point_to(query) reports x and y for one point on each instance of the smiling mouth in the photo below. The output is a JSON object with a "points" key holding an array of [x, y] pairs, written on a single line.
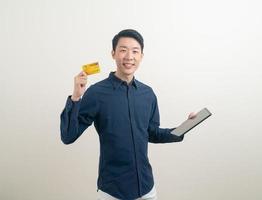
{"points": [[128, 65]]}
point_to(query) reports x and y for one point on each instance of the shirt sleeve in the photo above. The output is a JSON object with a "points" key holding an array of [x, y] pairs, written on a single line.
{"points": [[78, 116], [157, 134]]}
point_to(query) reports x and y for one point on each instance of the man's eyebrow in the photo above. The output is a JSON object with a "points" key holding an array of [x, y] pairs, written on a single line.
{"points": [[127, 47]]}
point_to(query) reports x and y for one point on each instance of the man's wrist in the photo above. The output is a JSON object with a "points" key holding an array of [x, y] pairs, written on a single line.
{"points": [[73, 98]]}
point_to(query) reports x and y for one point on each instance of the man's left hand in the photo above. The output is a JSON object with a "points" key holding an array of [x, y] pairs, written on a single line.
{"points": [[192, 115]]}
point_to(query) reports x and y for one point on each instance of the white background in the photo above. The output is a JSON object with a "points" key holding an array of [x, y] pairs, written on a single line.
{"points": [[197, 54]]}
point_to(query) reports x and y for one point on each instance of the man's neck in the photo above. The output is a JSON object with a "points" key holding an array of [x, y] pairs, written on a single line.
{"points": [[123, 77]]}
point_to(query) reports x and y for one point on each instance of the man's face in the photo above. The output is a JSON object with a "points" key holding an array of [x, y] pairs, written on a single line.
{"points": [[127, 55]]}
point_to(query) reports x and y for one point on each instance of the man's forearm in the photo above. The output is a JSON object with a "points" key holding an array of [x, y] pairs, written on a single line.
{"points": [[161, 135], [69, 125]]}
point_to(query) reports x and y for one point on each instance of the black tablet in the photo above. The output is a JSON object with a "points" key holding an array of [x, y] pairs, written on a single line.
{"points": [[191, 123]]}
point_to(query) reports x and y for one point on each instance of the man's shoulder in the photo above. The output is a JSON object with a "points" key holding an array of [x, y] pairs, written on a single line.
{"points": [[143, 85], [105, 83], [145, 89], [100, 87]]}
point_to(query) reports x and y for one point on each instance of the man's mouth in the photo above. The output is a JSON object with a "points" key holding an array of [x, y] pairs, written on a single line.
{"points": [[128, 65]]}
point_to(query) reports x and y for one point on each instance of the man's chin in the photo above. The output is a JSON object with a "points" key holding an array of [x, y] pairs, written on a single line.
{"points": [[128, 72]]}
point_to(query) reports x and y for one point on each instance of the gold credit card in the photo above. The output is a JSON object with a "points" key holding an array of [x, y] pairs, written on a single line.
{"points": [[91, 68]]}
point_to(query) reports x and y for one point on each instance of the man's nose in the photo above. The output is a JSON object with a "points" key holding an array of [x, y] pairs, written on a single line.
{"points": [[129, 55]]}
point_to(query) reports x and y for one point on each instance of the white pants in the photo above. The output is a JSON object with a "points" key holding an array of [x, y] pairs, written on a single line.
{"points": [[149, 196]]}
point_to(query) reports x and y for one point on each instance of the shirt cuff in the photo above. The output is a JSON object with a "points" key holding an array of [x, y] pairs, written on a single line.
{"points": [[177, 138], [72, 105]]}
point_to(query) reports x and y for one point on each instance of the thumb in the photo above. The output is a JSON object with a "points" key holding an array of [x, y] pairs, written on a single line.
{"points": [[192, 115]]}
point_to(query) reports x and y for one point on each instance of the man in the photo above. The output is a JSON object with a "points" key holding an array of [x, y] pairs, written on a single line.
{"points": [[125, 115]]}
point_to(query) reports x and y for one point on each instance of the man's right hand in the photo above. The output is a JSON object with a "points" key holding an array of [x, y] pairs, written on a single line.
{"points": [[80, 82]]}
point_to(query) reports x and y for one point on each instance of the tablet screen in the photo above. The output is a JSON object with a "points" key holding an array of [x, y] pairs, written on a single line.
{"points": [[191, 123]]}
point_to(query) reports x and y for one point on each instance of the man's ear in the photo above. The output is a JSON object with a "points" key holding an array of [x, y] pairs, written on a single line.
{"points": [[113, 53]]}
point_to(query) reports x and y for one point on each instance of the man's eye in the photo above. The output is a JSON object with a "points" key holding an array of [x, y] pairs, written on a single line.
{"points": [[135, 52], [122, 50]]}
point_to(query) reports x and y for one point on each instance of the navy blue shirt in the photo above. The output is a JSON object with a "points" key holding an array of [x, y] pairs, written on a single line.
{"points": [[126, 118]]}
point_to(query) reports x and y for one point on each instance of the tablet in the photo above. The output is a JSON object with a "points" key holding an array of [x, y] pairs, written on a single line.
{"points": [[191, 123]]}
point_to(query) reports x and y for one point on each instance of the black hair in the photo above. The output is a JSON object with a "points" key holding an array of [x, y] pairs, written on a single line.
{"points": [[128, 33]]}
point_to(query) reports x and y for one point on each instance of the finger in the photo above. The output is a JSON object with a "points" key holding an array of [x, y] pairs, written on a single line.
{"points": [[82, 82], [83, 77], [192, 115], [81, 74]]}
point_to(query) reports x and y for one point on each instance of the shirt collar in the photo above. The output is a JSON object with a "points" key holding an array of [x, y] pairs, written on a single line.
{"points": [[117, 81]]}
